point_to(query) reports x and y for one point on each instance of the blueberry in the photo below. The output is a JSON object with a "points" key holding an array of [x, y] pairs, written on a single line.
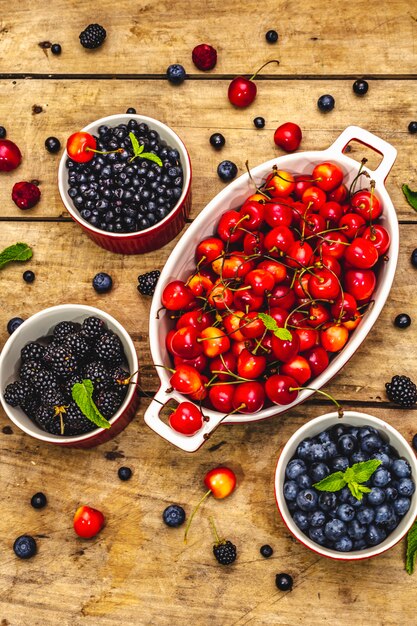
{"points": [[271, 36], [335, 529], [412, 128], [316, 453], [401, 468], [375, 535], [292, 506], [381, 477], [391, 494], [317, 535], [330, 449], [304, 481], [360, 87], [339, 464], [301, 520], [345, 512], [376, 496], [266, 551], [370, 443], [295, 468], [24, 547], [317, 519], [307, 499], [303, 449], [366, 430], [38, 501], [347, 444], [28, 276], [13, 324], [383, 457], [325, 103], [327, 500], [3, 132], [402, 320], [291, 490], [259, 122], [388, 449], [217, 141], [124, 473], [176, 74], [53, 145], [360, 544], [401, 506], [337, 431], [392, 523], [406, 487], [131, 111], [174, 515], [318, 471], [344, 544], [284, 582], [324, 437], [56, 49], [356, 530], [344, 494], [102, 282], [358, 457], [353, 430], [383, 514], [227, 170], [365, 516]]}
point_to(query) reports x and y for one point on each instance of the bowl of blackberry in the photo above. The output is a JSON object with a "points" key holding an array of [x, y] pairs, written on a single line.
{"points": [[68, 376], [345, 486], [126, 180]]}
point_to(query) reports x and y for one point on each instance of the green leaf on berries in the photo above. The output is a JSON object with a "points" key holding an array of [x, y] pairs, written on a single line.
{"points": [[333, 482], [270, 324], [352, 477], [138, 151], [364, 470], [137, 148], [82, 394], [410, 560], [16, 252], [410, 196]]}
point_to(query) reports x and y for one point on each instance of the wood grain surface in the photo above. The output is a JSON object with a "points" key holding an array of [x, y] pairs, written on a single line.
{"points": [[137, 571]]}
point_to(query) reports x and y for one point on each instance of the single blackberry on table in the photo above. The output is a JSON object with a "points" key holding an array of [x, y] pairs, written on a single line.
{"points": [[98, 374], [17, 393], [93, 36], [147, 282], [28, 370], [225, 552], [109, 348], [75, 422], [108, 403], [402, 391], [92, 327], [62, 329], [78, 345], [32, 351], [61, 361]]}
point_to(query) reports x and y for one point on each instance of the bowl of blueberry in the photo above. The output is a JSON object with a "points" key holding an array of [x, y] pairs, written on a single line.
{"points": [[345, 486], [68, 376], [126, 180]]}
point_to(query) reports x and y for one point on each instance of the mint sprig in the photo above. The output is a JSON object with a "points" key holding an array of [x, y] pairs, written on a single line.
{"points": [[352, 477], [270, 324], [410, 559], [410, 196], [16, 252], [138, 151], [82, 394]]}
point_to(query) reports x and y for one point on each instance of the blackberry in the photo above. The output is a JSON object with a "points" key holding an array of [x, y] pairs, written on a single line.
{"points": [[75, 422], [93, 36], [43, 380], [225, 552], [98, 374], [108, 402], [68, 384], [30, 406], [24, 547], [47, 418], [29, 369], [61, 361], [32, 351], [51, 397], [17, 393], [120, 378], [402, 391], [78, 345], [109, 348], [93, 327], [62, 329], [147, 282]]}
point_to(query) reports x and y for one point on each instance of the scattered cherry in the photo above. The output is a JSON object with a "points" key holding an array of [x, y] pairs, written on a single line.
{"points": [[88, 522], [25, 195], [187, 419], [288, 136], [242, 91], [10, 155], [204, 57]]}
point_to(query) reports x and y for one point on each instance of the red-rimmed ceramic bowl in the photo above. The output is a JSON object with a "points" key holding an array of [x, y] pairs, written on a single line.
{"points": [[151, 238], [41, 325], [316, 426]]}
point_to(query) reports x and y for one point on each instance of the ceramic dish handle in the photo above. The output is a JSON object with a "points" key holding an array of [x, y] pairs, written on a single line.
{"points": [[385, 149], [186, 443]]}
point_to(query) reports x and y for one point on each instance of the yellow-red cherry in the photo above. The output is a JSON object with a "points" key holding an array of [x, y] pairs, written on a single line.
{"points": [[81, 147], [221, 481]]}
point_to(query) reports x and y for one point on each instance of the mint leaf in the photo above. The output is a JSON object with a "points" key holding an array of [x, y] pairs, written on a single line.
{"points": [[137, 148], [82, 394], [16, 252], [151, 157], [333, 482], [410, 559], [411, 196], [270, 324], [364, 470], [356, 490]]}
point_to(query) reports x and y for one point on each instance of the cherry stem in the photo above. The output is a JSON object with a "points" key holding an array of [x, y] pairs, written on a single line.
{"points": [[216, 536], [253, 182], [187, 528], [262, 67], [323, 393], [87, 149]]}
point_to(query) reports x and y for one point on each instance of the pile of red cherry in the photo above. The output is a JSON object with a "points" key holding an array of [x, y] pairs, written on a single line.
{"points": [[276, 292]]}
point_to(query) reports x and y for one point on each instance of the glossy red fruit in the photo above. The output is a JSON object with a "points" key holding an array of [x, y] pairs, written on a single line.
{"points": [[81, 147], [251, 325], [208, 250], [285, 349], [278, 240], [241, 92], [253, 243], [187, 419], [350, 223], [250, 365], [339, 194], [281, 389], [333, 244], [177, 296], [331, 212], [279, 184], [328, 176], [318, 359], [228, 226], [314, 197], [214, 341], [318, 315], [313, 223], [330, 262], [323, 284], [199, 363], [186, 379], [204, 57], [249, 397], [25, 195], [361, 253], [298, 368], [221, 481], [299, 254], [88, 522], [220, 297], [282, 296], [366, 204], [184, 342], [301, 184], [344, 308], [288, 136], [278, 214], [197, 318], [252, 215], [10, 155], [278, 270], [221, 397], [260, 280], [308, 337], [231, 325], [334, 337], [378, 236], [245, 299], [224, 363], [360, 283]]}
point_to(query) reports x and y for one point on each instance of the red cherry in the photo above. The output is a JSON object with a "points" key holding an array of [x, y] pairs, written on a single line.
{"points": [[360, 283], [221, 481], [260, 280], [314, 197], [314, 223], [301, 184], [252, 215], [177, 296], [318, 315], [280, 389], [252, 326], [333, 244], [288, 136], [231, 325], [199, 284], [220, 297], [278, 240], [197, 318], [285, 349], [278, 270], [344, 308], [253, 243], [228, 226], [186, 379], [209, 249], [282, 296], [308, 338], [318, 359], [328, 176], [242, 91], [331, 212], [214, 341], [249, 365], [298, 368], [299, 254], [187, 419], [88, 522], [184, 342], [323, 284], [350, 223], [224, 363], [277, 214], [168, 341], [339, 194], [378, 236], [221, 397], [249, 397], [361, 253], [334, 337], [301, 285], [81, 147], [366, 204], [279, 184], [245, 299], [330, 262], [10, 155], [199, 363]]}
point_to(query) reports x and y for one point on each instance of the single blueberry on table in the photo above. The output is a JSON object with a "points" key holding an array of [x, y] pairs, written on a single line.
{"points": [[217, 141], [13, 324], [401, 505], [345, 512], [376, 496], [344, 544], [266, 551], [307, 499], [318, 471], [326, 103], [335, 529], [291, 490], [24, 547], [301, 519], [102, 282], [227, 170], [295, 468], [176, 74], [174, 515], [401, 468]]}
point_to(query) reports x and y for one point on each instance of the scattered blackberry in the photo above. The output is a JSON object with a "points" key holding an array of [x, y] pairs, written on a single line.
{"points": [[147, 282], [174, 515], [124, 473], [61, 361], [75, 422], [109, 348], [402, 391], [93, 36], [38, 500], [93, 327], [28, 370], [108, 403], [13, 324], [32, 351], [284, 582], [62, 329], [17, 393], [78, 345], [24, 547], [98, 374], [225, 552]]}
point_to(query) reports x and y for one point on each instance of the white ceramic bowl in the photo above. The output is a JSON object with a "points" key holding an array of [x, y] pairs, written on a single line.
{"points": [[314, 427], [42, 324], [151, 238], [181, 263]]}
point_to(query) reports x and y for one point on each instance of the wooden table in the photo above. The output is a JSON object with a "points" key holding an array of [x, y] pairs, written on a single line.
{"points": [[137, 571]]}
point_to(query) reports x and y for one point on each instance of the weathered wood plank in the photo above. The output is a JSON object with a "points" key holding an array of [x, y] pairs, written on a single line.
{"points": [[145, 37], [195, 112]]}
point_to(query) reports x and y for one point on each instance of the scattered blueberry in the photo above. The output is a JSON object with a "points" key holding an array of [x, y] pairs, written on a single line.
{"points": [[24, 547], [217, 141], [56, 49], [2, 132], [131, 111], [360, 87], [124, 473], [412, 128], [38, 501], [325, 103], [259, 122], [176, 74], [174, 515], [266, 551], [271, 36], [13, 324], [53, 145], [402, 320], [227, 170], [414, 442], [413, 257], [28, 276], [284, 582], [102, 282]]}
